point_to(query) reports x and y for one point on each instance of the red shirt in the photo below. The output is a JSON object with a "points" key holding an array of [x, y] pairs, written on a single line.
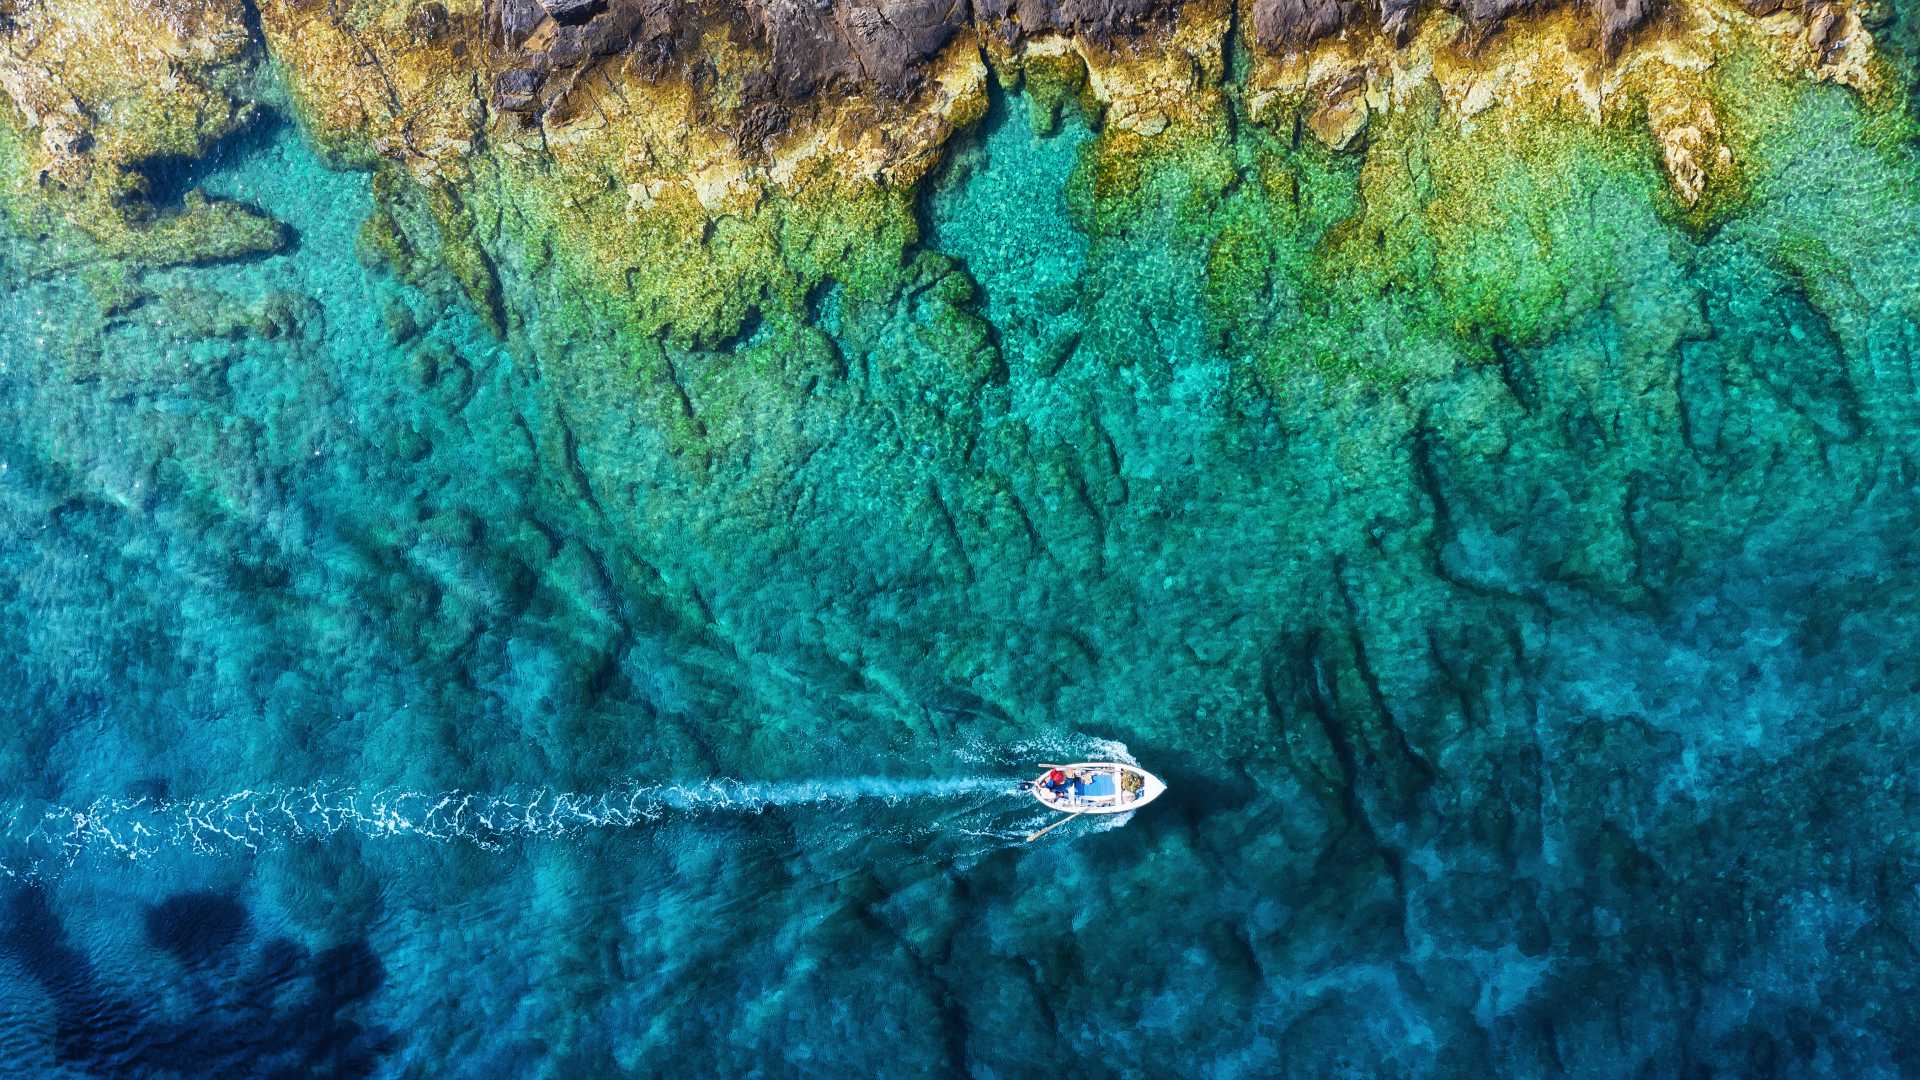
{"points": [[1056, 776]]}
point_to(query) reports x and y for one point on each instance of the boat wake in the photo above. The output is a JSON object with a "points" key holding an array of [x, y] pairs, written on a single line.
{"points": [[35, 835], [39, 836]]}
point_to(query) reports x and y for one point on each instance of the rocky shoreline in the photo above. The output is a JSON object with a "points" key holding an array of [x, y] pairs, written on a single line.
{"points": [[1477, 471], [733, 100]]}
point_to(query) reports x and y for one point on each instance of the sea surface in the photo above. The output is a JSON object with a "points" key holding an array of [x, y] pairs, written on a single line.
{"points": [[378, 702]]}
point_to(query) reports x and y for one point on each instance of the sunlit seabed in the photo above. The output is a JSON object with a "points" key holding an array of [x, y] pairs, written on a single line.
{"points": [[1574, 739]]}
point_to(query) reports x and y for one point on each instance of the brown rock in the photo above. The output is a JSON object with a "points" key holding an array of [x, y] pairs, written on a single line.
{"points": [[515, 20], [517, 91], [572, 12], [428, 21], [1823, 29], [1342, 116], [1617, 19], [1300, 22]]}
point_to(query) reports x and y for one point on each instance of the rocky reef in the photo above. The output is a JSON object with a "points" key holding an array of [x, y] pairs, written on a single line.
{"points": [[103, 98], [1466, 448], [669, 117]]}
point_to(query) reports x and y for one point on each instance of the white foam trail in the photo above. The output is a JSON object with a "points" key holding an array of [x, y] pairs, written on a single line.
{"points": [[253, 820]]}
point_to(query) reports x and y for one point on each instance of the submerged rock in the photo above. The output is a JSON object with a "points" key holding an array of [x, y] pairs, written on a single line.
{"points": [[99, 92], [726, 104], [1511, 575]]}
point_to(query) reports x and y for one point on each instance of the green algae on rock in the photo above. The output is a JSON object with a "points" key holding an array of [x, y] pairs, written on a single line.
{"points": [[655, 165], [670, 195], [101, 96], [1497, 500]]}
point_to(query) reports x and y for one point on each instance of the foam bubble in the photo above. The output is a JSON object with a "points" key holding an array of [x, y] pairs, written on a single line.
{"points": [[249, 821]]}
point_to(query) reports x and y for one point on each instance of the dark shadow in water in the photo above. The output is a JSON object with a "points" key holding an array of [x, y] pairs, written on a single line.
{"points": [[196, 928], [170, 177], [154, 788], [278, 1011]]}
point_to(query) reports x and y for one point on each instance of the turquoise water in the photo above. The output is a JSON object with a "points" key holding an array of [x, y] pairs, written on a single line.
{"points": [[392, 699]]}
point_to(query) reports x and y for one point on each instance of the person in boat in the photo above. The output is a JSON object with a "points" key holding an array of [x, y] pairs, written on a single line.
{"points": [[1060, 783], [1055, 782]]}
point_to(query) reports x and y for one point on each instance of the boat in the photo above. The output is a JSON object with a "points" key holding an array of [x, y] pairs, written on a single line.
{"points": [[1108, 787]]}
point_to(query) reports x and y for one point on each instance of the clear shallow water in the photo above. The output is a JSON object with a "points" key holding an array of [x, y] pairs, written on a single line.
{"points": [[1544, 716]]}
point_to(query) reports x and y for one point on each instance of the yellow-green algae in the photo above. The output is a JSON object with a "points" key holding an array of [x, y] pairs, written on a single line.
{"points": [[104, 226], [100, 97], [1437, 239], [1442, 234], [1550, 695]]}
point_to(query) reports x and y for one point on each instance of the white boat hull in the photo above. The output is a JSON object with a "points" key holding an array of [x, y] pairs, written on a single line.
{"points": [[1107, 787]]}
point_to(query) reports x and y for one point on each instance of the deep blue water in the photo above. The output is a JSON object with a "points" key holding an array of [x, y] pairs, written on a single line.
{"points": [[390, 701]]}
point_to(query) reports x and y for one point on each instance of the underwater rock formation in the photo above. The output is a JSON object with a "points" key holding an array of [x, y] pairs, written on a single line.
{"points": [[757, 98], [102, 95], [1467, 449]]}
